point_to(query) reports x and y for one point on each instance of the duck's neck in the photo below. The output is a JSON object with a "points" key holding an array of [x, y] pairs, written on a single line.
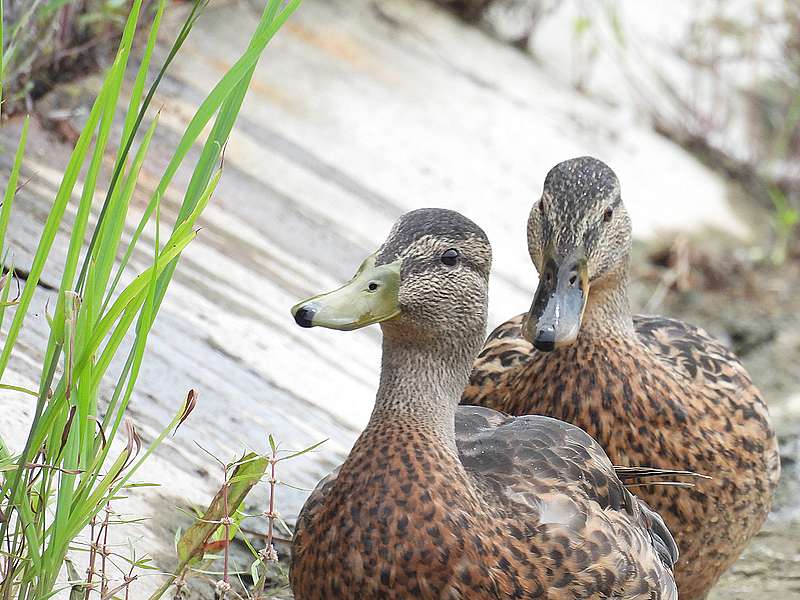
{"points": [[608, 310], [421, 384]]}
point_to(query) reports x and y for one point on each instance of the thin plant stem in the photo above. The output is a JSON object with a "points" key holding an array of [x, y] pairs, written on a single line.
{"points": [[226, 523], [104, 553], [267, 555], [92, 557]]}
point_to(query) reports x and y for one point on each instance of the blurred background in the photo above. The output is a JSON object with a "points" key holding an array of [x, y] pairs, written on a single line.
{"points": [[364, 109]]}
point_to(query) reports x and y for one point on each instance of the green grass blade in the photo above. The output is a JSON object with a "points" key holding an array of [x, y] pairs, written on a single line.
{"points": [[106, 251], [103, 490], [2, 56], [226, 117], [214, 100], [16, 388], [71, 450], [134, 105]]}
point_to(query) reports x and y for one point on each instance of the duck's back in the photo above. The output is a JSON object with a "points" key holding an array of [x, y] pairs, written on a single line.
{"points": [[556, 487], [713, 373]]}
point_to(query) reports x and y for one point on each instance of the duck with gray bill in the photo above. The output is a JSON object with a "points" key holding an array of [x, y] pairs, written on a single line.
{"points": [[651, 390]]}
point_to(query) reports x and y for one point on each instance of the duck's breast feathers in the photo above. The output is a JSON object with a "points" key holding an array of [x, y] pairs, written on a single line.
{"points": [[493, 372], [686, 350], [313, 504]]}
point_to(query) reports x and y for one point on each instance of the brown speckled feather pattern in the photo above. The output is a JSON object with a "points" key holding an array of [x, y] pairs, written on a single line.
{"points": [[666, 396], [530, 508]]}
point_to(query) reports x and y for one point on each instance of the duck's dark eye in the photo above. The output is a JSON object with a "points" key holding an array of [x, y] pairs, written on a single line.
{"points": [[608, 214], [450, 257]]}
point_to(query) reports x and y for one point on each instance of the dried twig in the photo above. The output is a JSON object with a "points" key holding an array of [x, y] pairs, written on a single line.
{"points": [[268, 554]]}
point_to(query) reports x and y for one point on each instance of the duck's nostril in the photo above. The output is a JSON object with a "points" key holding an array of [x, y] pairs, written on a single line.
{"points": [[304, 316], [545, 339]]}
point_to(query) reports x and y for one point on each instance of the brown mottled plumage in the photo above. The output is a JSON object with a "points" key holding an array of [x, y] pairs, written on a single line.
{"points": [[437, 501], [651, 390]]}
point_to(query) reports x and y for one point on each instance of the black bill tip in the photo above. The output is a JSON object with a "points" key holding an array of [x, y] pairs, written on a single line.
{"points": [[304, 316], [545, 339]]}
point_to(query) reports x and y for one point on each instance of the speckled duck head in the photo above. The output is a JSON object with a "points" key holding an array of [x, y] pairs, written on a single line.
{"points": [[428, 283], [579, 237]]}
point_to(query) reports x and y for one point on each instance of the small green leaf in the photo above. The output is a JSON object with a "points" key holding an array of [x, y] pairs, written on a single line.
{"points": [[78, 589], [301, 452], [192, 544], [16, 388], [254, 570]]}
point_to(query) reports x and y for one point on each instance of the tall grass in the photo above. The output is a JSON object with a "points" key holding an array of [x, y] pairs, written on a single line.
{"points": [[69, 469]]}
